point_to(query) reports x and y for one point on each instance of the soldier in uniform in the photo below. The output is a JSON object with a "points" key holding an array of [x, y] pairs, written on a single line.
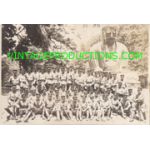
{"points": [[68, 110], [89, 81], [23, 107], [117, 106], [58, 76], [129, 108], [38, 106], [89, 112], [68, 78], [49, 105], [58, 109], [13, 103], [78, 109], [106, 104], [63, 78], [14, 80], [84, 106], [22, 81], [140, 105], [30, 77]]}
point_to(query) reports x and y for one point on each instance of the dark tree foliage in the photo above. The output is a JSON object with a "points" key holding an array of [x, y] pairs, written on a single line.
{"points": [[39, 36], [34, 33], [8, 32], [23, 47], [42, 36]]}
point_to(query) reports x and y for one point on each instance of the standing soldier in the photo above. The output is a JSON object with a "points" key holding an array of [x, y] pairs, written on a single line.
{"points": [[96, 82], [89, 113], [140, 105], [122, 80], [84, 107], [14, 80], [78, 109], [22, 81], [30, 77], [89, 81], [130, 108], [58, 75], [63, 79], [69, 78]]}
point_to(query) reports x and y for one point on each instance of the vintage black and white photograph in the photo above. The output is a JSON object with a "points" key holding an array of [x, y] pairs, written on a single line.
{"points": [[74, 74]]}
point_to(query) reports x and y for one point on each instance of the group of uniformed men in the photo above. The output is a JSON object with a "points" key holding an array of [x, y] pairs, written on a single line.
{"points": [[72, 94]]}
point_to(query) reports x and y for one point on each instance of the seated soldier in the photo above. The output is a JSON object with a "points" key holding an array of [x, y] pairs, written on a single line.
{"points": [[117, 106], [38, 106], [23, 107], [95, 105], [106, 106], [58, 109], [13, 104], [49, 105], [67, 109]]}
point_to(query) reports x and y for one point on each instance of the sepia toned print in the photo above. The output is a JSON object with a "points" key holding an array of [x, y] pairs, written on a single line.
{"points": [[106, 83]]}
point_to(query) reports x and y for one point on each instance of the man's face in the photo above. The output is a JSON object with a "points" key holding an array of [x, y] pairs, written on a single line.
{"points": [[110, 35], [79, 73], [130, 91], [114, 75], [29, 70], [139, 90], [15, 72], [63, 71], [122, 77], [22, 71], [63, 98], [108, 91], [50, 98], [37, 97], [13, 89], [24, 97], [119, 84], [34, 70], [33, 93]]}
